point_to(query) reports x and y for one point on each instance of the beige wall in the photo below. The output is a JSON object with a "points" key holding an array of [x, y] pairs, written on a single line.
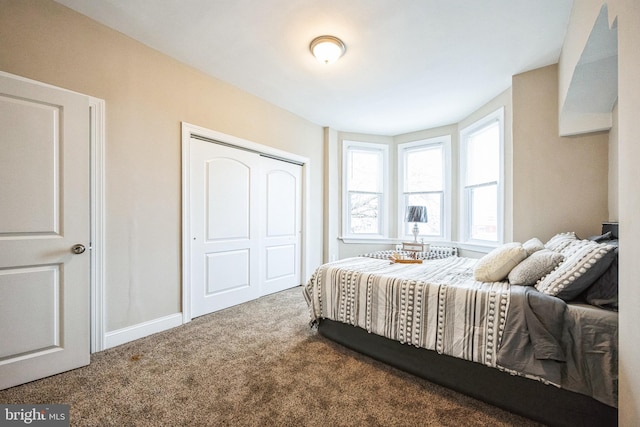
{"points": [[559, 183], [147, 96], [627, 12]]}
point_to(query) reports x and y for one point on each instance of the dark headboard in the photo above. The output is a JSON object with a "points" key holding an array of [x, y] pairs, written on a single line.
{"points": [[612, 227]]}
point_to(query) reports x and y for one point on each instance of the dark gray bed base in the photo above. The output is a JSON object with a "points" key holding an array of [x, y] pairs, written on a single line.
{"points": [[529, 398]]}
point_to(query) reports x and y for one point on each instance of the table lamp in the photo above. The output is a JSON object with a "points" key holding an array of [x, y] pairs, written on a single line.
{"points": [[416, 214]]}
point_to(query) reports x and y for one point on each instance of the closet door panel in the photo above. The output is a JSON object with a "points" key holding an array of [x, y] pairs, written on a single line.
{"points": [[228, 200], [227, 271], [281, 216], [224, 227]]}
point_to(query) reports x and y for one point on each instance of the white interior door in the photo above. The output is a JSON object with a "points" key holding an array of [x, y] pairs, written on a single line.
{"points": [[224, 226], [280, 224], [44, 212]]}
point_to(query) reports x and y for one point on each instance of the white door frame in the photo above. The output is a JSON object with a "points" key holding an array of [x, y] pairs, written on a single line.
{"points": [[188, 131], [97, 230]]}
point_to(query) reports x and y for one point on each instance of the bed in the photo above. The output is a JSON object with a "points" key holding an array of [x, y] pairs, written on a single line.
{"points": [[523, 328]]}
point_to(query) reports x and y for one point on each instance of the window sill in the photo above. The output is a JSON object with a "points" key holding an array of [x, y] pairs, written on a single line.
{"points": [[477, 247], [370, 240], [394, 240]]}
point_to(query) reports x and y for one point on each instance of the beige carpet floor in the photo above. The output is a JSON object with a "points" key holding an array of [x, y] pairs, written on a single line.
{"points": [[256, 364]]}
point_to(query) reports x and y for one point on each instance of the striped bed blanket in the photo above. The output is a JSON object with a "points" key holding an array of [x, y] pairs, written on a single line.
{"points": [[435, 305]]}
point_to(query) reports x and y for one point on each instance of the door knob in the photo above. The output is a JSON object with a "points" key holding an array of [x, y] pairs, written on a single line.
{"points": [[78, 249]]}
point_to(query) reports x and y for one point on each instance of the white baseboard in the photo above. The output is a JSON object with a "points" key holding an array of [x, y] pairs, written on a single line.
{"points": [[141, 330]]}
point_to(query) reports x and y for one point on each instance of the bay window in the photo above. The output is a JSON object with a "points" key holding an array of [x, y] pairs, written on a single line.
{"points": [[467, 211]]}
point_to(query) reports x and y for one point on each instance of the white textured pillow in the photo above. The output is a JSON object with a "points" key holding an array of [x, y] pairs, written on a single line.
{"points": [[533, 245], [535, 267], [497, 264]]}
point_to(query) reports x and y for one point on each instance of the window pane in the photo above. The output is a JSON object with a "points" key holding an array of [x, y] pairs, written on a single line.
{"points": [[483, 155], [363, 211], [433, 202], [484, 213], [365, 168], [424, 170]]}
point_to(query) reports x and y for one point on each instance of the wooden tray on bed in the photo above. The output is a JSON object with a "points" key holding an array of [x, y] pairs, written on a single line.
{"points": [[404, 260]]}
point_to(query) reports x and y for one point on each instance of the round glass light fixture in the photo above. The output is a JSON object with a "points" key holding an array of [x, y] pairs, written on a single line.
{"points": [[327, 49]]}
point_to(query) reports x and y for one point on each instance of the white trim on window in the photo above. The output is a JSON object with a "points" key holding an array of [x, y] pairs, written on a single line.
{"points": [[443, 141], [465, 190], [382, 194]]}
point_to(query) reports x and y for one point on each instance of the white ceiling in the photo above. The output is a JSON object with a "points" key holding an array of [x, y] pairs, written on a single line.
{"points": [[409, 65]]}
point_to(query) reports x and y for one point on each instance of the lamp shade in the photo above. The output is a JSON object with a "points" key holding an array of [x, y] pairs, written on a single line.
{"points": [[416, 214]]}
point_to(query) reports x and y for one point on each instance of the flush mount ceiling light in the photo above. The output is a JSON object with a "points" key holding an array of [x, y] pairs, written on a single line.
{"points": [[327, 49]]}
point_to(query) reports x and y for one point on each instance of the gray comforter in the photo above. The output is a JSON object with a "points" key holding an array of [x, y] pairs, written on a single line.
{"points": [[573, 346], [532, 340]]}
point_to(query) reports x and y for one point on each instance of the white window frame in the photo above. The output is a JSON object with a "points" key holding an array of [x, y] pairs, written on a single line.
{"points": [[465, 217], [446, 209], [383, 219]]}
